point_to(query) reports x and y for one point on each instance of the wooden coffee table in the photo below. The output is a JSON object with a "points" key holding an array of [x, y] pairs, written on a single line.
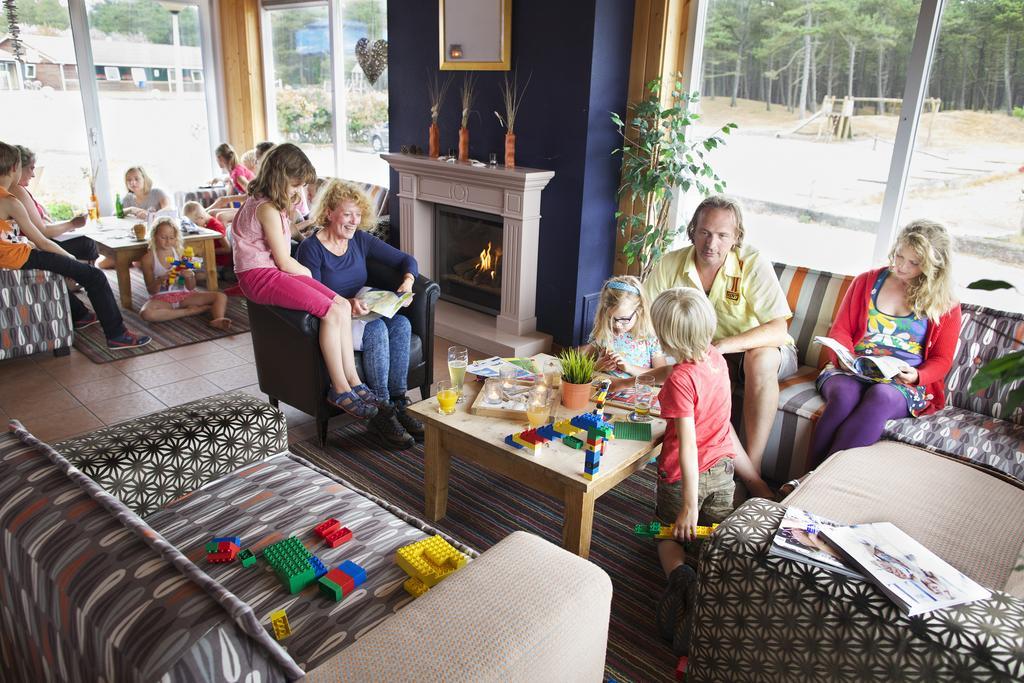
{"points": [[557, 470], [114, 238]]}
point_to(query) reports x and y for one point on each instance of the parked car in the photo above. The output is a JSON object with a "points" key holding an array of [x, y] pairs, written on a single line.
{"points": [[379, 137]]}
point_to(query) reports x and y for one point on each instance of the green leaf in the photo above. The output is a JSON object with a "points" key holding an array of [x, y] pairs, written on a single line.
{"points": [[1008, 368], [990, 285], [1013, 400]]}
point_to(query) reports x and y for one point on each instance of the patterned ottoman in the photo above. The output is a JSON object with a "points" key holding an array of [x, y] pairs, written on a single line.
{"points": [[34, 314], [152, 460]]}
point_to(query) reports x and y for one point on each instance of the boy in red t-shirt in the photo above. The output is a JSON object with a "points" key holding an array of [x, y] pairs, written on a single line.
{"points": [[195, 212], [695, 468]]}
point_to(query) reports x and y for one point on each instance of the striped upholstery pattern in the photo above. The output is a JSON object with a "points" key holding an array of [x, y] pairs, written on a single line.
{"points": [[814, 297], [34, 313]]}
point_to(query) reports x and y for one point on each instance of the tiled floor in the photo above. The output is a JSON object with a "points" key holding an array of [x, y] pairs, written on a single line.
{"points": [[57, 398]]}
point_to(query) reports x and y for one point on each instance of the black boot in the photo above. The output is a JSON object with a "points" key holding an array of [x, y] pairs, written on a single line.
{"points": [[409, 422], [389, 430]]}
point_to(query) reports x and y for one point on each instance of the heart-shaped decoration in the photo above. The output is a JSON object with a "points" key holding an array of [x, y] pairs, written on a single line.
{"points": [[373, 59]]}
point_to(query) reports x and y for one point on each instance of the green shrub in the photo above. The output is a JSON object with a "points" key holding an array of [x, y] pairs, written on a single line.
{"points": [[304, 114], [1019, 112], [577, 367], [60, 211]]}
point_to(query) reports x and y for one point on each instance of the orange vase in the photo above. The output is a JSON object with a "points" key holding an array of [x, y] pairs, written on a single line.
{"points": [[510, 150], [435, 141], [463, 144]]}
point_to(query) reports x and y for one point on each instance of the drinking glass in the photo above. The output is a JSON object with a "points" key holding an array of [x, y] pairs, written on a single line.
{"points": [[538, 406], [643, 397], [508, 380], [493, 160], [492, 391], [553, 374], [458, 359], [446, 397]]}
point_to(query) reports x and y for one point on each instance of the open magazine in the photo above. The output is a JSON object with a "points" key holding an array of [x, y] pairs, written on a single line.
{"points": [[868, 367], [916, 579], [491, 367], [798, 539], [381, 303], [626, 398]]}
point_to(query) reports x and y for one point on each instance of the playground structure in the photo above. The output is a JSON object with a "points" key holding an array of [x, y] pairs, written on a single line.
{"points": [[835, 117]]}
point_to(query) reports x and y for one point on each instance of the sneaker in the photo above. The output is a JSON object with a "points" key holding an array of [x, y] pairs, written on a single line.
{"points": [[673, 603], [128, 340], [412, 425], [391, 433], [86, 320]]}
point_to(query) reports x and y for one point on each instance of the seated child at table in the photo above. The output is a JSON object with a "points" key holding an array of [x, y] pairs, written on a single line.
{"points": [[622, 336], [695, 467], [170, 302], [195, 212]]}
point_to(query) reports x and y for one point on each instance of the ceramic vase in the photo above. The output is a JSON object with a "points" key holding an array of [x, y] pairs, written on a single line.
{"points": [[435, 141], [510, 150], [463, 144]]}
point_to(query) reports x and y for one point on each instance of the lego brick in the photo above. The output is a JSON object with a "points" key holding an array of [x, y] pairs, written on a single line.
{"points": [[523, 443], [279, 623], [346, 582], [565, 427], [220, 557], [323, 529], [415, 587], [572, 442], [510, 440], [330, 589], [212, 547], [339, 536], [632, 431], [415, 561], [247, 557], [357, 573], [229, 539], [548, 432], [227, 546], [318, 567]]}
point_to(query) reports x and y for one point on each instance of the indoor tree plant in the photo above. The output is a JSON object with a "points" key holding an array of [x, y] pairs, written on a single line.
{"points": [[659, 156], [1005, 369], [578, 369]]}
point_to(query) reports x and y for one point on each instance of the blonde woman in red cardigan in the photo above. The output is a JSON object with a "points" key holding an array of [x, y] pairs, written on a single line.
{"points": [[908, 311]]}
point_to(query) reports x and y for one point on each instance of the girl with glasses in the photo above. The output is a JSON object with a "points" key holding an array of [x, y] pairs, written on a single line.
{"points": [[623, 336]]}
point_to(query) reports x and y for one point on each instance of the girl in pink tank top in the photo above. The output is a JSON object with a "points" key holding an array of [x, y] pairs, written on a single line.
{"points": [[267, 273]]}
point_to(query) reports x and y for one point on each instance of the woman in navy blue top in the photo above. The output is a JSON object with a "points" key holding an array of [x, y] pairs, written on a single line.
{"points": [[336, 255]]}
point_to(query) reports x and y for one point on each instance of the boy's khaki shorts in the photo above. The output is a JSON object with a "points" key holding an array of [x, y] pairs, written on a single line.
{"points": [[715, 489]]}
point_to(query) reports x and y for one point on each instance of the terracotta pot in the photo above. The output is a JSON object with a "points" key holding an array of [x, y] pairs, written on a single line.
{"points": [[435, 141], [576, 396], [463, 144], [510, 150]]}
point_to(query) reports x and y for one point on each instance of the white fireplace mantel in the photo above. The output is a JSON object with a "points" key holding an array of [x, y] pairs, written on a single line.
{"points": [[514, 195]]}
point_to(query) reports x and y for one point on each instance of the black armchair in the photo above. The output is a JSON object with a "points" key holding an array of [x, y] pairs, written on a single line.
{"points": [[291, 368]]}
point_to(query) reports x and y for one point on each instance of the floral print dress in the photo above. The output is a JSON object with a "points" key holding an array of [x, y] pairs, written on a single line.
{"points": [[901, 337], [638, 351]]}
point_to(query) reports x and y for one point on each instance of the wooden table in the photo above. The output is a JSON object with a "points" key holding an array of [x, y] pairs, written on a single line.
{"points": [[114, 238], [557, 470]]}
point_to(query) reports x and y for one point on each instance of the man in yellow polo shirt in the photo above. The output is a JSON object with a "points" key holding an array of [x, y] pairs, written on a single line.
{"points": [[751, 308]]}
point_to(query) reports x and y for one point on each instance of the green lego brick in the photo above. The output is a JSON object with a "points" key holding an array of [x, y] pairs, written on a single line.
{"points": [[247, 557], [572, 442], [212, 547], [632, 431], [330, 589]]}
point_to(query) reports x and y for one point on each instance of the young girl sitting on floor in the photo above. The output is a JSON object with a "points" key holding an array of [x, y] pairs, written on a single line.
{"points": [[166, 303], [268, 275], [623, 334]]}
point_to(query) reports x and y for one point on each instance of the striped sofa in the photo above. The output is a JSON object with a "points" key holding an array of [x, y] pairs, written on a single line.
{"points": [[971, 426]]}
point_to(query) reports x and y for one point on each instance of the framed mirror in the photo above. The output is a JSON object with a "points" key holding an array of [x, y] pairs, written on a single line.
{"points": [[476, 35]]}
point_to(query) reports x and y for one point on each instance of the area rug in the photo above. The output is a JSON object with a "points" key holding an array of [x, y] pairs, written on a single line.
{"points": [[483, 508], [166, 335]]}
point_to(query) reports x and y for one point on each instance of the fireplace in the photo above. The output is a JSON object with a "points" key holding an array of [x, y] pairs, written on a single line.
{"points": [[454, 217], [468, 257]]}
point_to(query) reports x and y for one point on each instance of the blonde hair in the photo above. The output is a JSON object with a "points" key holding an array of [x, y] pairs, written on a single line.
{"points": [[179, 245], [333, 194], [930, 294], [719, 201], [615, 292], [227, 153], [147, 182], [281, 166], [192, 209], [248, 159], [685, 323]]}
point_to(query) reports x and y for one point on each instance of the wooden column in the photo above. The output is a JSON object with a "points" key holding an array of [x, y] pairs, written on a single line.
{"points": [[659, 33], [245, 109]]}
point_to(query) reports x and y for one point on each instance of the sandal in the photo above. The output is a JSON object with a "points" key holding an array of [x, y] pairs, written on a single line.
{"points": [[366, 394], [351, 404], [786, 489]]}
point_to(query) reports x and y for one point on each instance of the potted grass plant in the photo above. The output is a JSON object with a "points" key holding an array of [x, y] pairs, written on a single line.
{"points": [[578, 369]]}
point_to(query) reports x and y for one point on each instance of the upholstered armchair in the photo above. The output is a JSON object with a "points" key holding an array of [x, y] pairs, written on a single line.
{"points": [[34, 314], [290, 366]]}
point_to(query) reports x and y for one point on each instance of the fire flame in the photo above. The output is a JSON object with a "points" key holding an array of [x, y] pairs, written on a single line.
{"points": [[485, 259], [489, 259]]}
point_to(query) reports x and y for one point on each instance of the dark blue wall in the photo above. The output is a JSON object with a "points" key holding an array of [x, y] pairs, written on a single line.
{"points": [[578, 54]]}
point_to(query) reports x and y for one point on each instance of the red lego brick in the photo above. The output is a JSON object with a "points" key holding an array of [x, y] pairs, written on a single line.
{"points": [[228, 556], [227, 546], [347, 583], [336, 538], [532, 436], [327, 527]]}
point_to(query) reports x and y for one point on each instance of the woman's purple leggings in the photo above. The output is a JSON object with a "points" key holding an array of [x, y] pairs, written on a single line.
{"points": [[855, 415]]}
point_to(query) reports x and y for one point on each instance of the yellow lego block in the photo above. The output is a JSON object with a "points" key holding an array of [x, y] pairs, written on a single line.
{"points": [[414, 587], [525, 444], [566, 427], [279, 620], [429, 560], [702, 531]]}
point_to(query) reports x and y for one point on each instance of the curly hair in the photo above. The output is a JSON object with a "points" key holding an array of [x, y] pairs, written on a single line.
{"points": [[930, 294], [282, 165], [332, 195], [719, 201]]}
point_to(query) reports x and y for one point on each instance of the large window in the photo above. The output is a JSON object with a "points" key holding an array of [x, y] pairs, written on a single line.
{"points": [[320, 96], [139, 82], [817, 89]]}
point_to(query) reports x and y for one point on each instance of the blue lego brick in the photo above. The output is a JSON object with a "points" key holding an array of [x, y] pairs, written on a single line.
{"points": [[357, 573], [318, 567], [510, 442], [548, 432], [237, 540]]}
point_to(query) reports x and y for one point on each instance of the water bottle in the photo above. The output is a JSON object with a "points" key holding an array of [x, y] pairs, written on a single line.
{"points": [[118, 206]]}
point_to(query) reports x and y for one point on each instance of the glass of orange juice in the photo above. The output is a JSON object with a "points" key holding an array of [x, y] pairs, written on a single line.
{"points": [[538, 406], [447, 396]]}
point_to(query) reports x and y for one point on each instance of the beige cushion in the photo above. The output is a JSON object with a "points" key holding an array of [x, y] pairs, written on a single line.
{"points": [[969, 518], [525, 610]]}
